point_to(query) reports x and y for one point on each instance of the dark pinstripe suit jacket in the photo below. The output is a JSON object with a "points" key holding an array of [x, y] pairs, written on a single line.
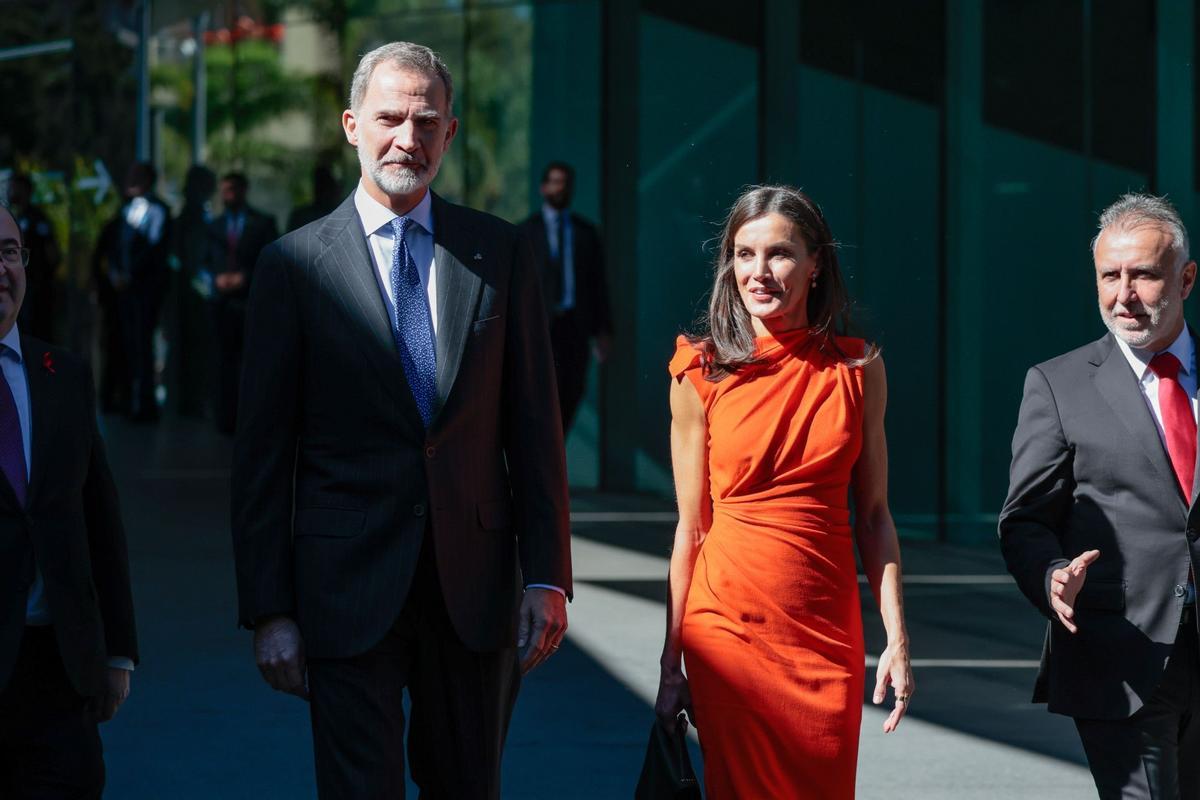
{"points": [[335, 478], [1089, 471]]}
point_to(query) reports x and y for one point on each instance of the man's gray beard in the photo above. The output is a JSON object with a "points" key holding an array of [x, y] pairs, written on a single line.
{"points": [[1137, 338], [400, 181]]}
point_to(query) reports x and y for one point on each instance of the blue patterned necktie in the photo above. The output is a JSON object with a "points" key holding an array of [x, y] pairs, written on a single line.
{"points": [[412, 324]]}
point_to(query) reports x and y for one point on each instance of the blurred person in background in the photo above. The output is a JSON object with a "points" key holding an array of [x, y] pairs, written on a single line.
{"points": [[192, 355], [570, 260], [37, 312], [236, 237], [133, 274]]}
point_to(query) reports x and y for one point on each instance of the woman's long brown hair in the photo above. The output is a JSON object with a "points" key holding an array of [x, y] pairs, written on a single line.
{"points": [[730, 337]]}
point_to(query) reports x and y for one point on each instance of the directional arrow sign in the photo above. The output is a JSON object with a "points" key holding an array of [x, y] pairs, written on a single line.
{"points": [[101, 182]]}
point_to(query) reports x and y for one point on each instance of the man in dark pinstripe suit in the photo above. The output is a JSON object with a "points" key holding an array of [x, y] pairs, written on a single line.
{"points": [[399, 487]]}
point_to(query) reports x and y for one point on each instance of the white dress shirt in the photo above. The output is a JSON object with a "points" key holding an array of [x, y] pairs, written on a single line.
{"points": [[377, 225], [376, 220], [1139, 360], [146, 217], [12, 363]]}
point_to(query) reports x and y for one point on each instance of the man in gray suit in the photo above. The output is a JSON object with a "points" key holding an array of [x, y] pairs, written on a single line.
{"points": [[399, 485], [1100, 526]]}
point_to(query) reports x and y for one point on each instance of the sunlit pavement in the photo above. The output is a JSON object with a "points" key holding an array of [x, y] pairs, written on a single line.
{"points": [[200, 722]]}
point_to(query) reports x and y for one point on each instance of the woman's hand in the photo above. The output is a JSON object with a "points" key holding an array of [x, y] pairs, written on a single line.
{"points": [[895, 670], [673, 696]]}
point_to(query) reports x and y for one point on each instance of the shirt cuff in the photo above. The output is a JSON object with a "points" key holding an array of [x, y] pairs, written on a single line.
{"points": [[546, 586], [121, 662]]}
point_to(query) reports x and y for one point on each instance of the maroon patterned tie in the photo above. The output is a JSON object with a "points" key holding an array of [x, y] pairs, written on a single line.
{"points": [[12, 447]]}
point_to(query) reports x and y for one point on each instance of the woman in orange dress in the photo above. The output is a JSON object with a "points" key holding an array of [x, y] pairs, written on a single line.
{"points": [[775, 420]]}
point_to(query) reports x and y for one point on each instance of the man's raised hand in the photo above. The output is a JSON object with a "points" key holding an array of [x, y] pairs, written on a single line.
{"points": [[1065, 584]]}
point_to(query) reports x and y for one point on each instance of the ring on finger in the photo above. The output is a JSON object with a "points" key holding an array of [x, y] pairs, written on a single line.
{"points": [[902, 698]]}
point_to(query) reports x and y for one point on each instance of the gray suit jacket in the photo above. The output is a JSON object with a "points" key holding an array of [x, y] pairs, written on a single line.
{"points": [[336, 480], [1089, 471]]}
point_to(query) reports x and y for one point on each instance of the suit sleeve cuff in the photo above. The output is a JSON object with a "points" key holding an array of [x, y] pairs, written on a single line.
{"points": [[121, 662], [1056, 564], [546, 586]]}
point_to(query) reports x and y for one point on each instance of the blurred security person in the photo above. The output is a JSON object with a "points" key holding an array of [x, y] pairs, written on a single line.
{"points": [[238, 235], [570, 259]]}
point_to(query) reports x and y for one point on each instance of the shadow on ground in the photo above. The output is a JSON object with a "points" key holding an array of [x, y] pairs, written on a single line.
{"points": [[201, 724]]}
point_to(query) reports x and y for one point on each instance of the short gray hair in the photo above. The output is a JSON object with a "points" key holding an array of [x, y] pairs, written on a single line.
{"points": [[1137, 209], [415, 57]]}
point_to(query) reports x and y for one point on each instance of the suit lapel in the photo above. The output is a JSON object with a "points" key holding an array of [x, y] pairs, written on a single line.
{"points": [[1118, 385], [347, 267], [1196, 479], [458, 288]]}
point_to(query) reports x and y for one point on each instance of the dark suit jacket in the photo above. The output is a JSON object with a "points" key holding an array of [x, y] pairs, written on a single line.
{"points": [[258, 231], [591, 286], [335, 479], [127, 251], [70, 525], [1089, 471]]}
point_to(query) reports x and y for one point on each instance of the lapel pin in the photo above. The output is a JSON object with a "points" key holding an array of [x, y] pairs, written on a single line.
{"points": [[478, 256]]}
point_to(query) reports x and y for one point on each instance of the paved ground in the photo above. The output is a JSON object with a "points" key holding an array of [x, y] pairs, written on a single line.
{"points": [[201, 724]]}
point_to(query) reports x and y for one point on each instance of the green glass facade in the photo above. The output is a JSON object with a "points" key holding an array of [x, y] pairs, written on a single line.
{"points": [[961, 151]]}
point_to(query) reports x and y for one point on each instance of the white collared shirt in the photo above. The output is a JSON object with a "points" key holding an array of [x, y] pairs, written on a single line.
{"points": [[146, 217], [1139, 360], [376, 220]]}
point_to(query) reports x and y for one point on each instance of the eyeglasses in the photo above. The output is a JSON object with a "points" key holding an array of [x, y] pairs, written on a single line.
{"points": [[14, 256]]}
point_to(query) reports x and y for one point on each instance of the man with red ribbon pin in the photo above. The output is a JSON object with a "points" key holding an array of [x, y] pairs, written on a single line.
{"points": [[1100, 526]]}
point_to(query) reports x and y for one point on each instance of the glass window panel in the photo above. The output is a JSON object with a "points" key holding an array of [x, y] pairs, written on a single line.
{"points": [[1123, 83], [698, 125], [903, 47], [739, 22], [1033, 69]]}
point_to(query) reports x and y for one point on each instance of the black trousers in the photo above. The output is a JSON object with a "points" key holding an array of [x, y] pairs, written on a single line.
{"points": [[461, 703], [49, 741], [570, 345], [1156, 752], [138, 308]]}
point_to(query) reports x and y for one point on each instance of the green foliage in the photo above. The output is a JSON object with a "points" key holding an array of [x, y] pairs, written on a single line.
{"points": [[247, 87]]}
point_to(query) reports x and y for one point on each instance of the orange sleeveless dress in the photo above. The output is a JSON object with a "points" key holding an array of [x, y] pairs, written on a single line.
{"points": [[772, 632]]}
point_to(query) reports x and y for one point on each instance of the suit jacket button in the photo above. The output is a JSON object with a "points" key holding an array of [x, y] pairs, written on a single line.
{"points": [[419, 510], [1180, 590], [430, 451]]}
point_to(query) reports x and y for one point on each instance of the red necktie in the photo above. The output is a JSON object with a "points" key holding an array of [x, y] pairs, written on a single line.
{"points": [[1178, 422]]}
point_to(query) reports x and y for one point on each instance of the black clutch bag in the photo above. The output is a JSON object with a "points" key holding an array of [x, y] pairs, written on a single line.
{"points": [[667, 773]]}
